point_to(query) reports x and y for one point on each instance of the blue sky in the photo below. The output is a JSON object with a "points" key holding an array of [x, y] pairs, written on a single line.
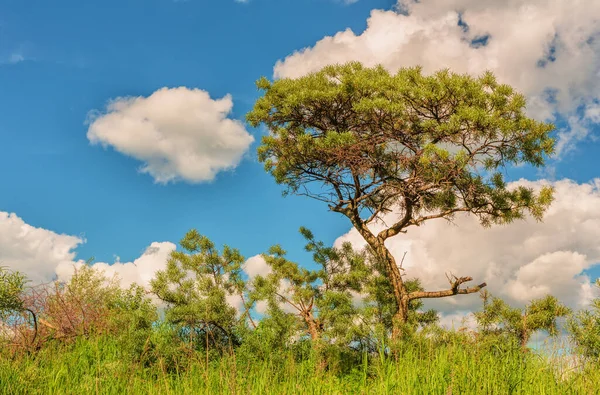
{"points": [[61, 60], [78, 56]]}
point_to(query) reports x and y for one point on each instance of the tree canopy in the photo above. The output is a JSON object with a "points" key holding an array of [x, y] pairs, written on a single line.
{"points": [[370, 143], [195, 285], [365, 140], [539, 314]]}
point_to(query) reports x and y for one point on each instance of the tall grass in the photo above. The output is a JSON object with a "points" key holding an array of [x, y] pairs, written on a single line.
{"points": [[98, 366]]}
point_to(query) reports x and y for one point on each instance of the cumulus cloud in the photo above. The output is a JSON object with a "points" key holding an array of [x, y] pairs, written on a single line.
{"points": [[458, 320], [256, 266], [43, 255], [34, 251], [143, 269], [140, 271], [520, 261], [178, 133], [549, 50]]}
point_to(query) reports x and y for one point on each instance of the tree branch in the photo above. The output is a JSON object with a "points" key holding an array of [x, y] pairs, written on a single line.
{"points": [[455, 283], [35, 324], [399, 226]]}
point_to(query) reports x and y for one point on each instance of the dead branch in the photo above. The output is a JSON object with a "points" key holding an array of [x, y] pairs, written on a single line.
{"points": [[455, 283]]}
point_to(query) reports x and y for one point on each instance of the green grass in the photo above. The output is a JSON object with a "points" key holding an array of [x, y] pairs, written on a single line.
{"points": [[98, 366]]}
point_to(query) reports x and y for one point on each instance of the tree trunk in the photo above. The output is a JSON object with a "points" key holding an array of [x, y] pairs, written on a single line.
{"points": [[313, 326], [35, 325], [401, 294], [393, 272], [524, 339], [314, 329]]}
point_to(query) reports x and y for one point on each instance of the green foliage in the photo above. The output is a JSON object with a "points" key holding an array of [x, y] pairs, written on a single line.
{"points": [[498, 317], [195, 285], [380, 306], [12, 286], [272, 337], [126, 350], [364, 140], [135, 315], [321, 299], [96, 365], [584, 328], [345, 300]]}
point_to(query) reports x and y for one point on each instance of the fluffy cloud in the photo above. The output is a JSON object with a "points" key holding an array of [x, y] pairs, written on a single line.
{"points": [[34, 251], [140, 271], [43, 255], [520, 261], [256, 266], [178, 133], [547, 49], [143, 269]]}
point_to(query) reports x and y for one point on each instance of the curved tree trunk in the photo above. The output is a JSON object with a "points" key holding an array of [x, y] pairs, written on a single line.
{"points": [[35, 325], [401, 294]]}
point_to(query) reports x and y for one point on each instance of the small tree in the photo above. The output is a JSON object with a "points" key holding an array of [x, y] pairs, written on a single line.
{"points": [[80, 306], [584, 328], [91, 304], [87, 304], [345, 299], [498, 317], [12, 292], [380, 305], [195, 285], [321, 298], [368, 143]]}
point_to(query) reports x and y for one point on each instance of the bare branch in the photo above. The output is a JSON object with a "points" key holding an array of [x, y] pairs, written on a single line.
{"points": [[455, 283]]}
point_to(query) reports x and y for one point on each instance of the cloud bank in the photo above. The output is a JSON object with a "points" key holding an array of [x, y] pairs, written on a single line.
{"points": [[520, 261], [37, 252], [44, 255], [547, 49]]}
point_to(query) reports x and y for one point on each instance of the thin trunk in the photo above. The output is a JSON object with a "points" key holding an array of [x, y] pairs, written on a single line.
{"points": [[314, 329], [525, 333], [35, 325], [524, 340]]}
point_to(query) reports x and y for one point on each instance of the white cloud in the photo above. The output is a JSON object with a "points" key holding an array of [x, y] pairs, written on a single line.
{"points": [[33, 251], [43, 255], [140, 271], [519, 261], [256, 266], [458, 320], [547, 49], [179, 133]]}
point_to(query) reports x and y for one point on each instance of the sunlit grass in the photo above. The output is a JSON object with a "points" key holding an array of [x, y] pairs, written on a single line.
{"points": [[98, 366]]}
